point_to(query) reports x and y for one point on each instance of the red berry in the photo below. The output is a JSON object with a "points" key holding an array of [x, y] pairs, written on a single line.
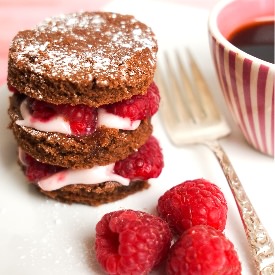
{"points": [[144, 164], [203, 250], [192, 203], [12, 89], [35, 170], [42, 110], [82, 118], [138, 107], [131, 242]]}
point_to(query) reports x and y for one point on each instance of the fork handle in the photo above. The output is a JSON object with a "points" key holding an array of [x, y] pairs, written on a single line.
{"points": [[261, 245]]}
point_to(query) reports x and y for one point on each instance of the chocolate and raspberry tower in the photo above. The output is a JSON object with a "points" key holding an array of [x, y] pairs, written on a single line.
{"points": [[82, 98]]}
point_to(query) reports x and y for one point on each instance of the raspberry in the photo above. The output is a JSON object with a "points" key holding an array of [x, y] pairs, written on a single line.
{"points": [[144, 164], [42, 110], [131, 242], [12, 89], [203, 250], [35, 170], [138, 107], [82, 118], [192, 203]]}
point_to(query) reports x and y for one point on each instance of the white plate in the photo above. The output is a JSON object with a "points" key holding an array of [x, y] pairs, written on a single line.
{"points": [[42, 236]]}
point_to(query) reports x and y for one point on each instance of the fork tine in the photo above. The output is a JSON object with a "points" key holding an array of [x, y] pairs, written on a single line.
{"points": [[166, 97], [184, 100], [205, 97], [185, 112], [190, 98], [171, 91]]}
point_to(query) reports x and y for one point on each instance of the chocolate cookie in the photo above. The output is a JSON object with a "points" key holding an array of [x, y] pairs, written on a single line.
{"points": [[90, 58]]}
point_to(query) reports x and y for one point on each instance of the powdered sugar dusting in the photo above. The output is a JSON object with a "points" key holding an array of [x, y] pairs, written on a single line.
{"points": [[85, 46]]}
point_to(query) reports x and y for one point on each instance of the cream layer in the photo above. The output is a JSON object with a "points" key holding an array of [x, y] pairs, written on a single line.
{"points": [[94, 175], [59, 125]]}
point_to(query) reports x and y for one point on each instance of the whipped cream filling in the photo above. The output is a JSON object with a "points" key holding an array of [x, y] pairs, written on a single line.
{"points": [[110, 120], [55, 124], [60, 125], [94, 175]]}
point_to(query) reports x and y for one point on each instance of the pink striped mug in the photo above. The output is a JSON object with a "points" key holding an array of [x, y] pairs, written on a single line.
{"points": [[247, 81]]}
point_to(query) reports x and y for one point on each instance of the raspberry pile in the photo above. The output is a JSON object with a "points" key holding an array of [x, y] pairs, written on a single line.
{"points": [[144, 164], [195, 211], [83, 119]]}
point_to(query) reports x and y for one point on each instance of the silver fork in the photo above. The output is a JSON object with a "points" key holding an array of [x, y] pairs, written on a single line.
{"points": [[190, 116]]}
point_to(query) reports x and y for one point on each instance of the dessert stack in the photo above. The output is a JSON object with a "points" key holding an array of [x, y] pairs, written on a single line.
{"points": [[82, 98]]}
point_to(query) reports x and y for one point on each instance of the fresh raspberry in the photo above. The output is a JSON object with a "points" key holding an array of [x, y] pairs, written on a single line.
{"points": [[131, 242], [144, 164], [35, 170], [138, 107], [82, 118], [42, 110], [12, 89], [192, 203], [203, 250]]}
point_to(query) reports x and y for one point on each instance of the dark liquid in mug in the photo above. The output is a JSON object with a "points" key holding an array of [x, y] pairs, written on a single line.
{"points": [[256, 39]]}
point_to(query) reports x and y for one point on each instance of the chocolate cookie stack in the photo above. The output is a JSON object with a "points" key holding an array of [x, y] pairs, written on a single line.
{"points": [[82, 100]]}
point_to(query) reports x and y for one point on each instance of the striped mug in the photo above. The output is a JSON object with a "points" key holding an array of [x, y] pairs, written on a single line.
{"points": [[247, 81]]}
